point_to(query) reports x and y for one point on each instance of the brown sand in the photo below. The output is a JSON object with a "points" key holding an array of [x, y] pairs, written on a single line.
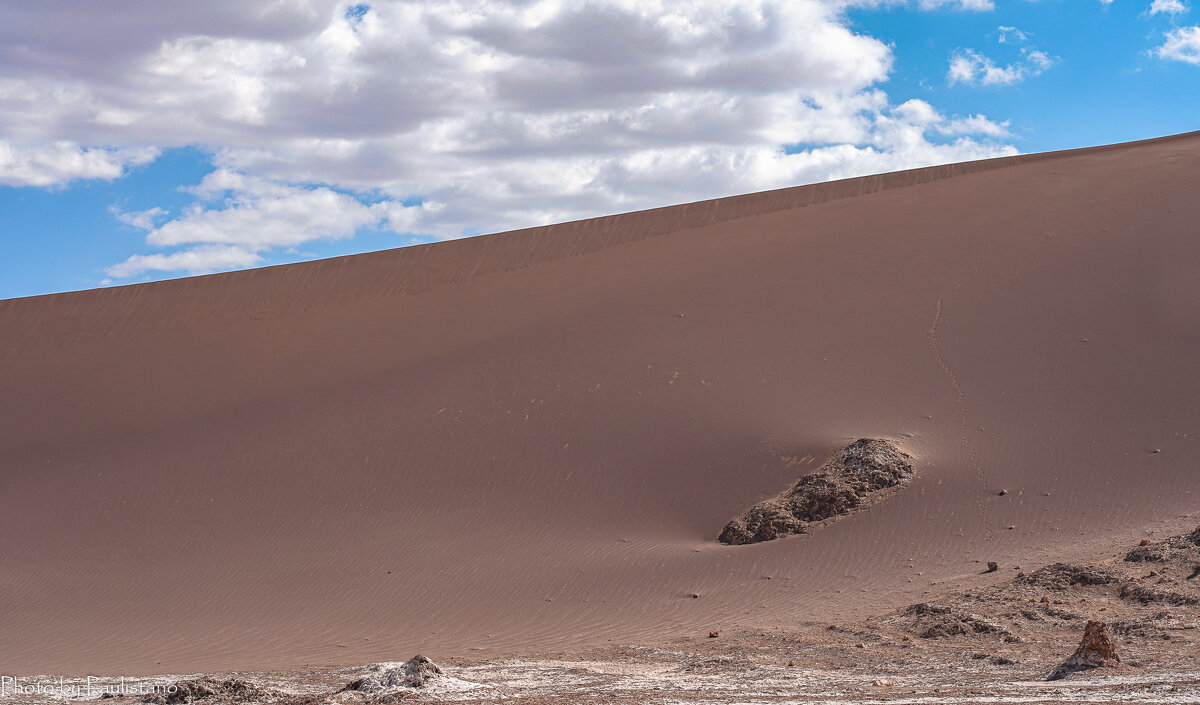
{"points": [[530, 441], [1003, 643]]}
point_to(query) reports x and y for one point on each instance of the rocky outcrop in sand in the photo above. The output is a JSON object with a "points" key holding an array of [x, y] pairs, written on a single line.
{"points": [[859, 473], [1095, 651], [1060, 576], [1165, 550], [1147, 594], [416, 672], [933, 621]]}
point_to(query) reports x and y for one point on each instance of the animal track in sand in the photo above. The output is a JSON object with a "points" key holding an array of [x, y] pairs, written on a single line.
{"points": [[961, 400]]}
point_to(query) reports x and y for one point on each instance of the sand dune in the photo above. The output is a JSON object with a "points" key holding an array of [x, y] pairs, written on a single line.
{"points": [[530, 441]]}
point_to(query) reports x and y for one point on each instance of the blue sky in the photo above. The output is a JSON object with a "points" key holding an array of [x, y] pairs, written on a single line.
{"points": [[139, 142], [1106, 84]]}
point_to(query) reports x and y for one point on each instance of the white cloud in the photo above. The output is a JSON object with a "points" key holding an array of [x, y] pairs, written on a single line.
{"points": [[142, 220], [1182, 44], [970, 67], [1167, 7], [261, 214], [239, 217], [197, 260], [1037, 61], [489, 114], [974, 5], [974, 125], [1009, 35], [59, 161]]}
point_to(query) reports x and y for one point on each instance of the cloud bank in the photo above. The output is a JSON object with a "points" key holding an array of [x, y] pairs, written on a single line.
{"points": [[451, 118]]}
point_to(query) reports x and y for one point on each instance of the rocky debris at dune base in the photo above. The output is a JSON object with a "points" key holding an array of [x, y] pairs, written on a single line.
{"points": [[1147, 594], [1149, 606], [851, 479], [1060, 576], [1096, 650], [416, 672], [933, 621], [1186, 545], [1003, 633]]}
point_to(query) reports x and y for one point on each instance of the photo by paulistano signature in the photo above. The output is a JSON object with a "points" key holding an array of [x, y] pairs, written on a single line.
{"points": [[89, 687]]}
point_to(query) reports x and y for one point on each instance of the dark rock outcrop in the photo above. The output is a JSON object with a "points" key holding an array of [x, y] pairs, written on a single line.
{"points": [[1096, 650], [1060, 576], [933, 621], [1165, 550], [1146, 594], [851, 479]]}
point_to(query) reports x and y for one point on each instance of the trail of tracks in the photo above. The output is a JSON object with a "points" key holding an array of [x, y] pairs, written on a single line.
{"points": [[961, 400]]}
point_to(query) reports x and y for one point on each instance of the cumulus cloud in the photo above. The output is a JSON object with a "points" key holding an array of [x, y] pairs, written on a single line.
{"points": [[56, 162], [447, 118], [261, 214], [1182, 44], [1167, 7], [973, 68], [197, 260], [240, 216]]}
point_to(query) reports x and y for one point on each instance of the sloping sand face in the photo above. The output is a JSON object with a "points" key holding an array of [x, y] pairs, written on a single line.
{"points": [[530, 441]]}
